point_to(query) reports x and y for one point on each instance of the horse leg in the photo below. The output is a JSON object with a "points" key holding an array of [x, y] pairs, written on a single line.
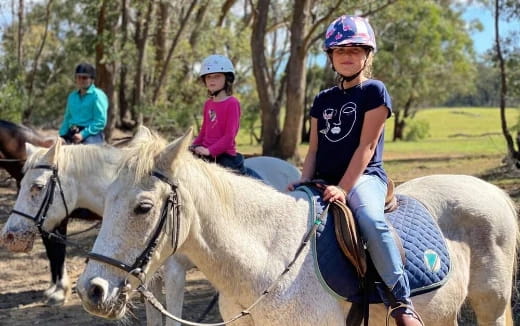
{"points": [[490, 293], [175, 279], [229, 309], [60, 289], [153, 316]]}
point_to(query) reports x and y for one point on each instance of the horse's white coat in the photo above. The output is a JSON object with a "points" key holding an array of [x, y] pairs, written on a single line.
{"points": [[242, 234], [85, 173]]}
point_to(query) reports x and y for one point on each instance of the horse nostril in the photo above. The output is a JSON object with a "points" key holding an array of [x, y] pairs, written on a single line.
{"points": [[9, 238], [96, 293]]}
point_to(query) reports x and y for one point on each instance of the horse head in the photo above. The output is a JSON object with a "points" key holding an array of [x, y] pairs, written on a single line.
{"points": [[20, 230], [142, 211]]}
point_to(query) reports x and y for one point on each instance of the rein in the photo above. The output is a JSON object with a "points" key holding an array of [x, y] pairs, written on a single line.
{"points": [[138, 267]]}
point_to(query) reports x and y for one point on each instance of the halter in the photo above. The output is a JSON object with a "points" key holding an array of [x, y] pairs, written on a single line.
{"points": [[48, 198], [141, 262]]}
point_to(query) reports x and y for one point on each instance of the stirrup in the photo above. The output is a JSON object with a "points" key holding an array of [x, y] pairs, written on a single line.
{"points": [[402, 305]]}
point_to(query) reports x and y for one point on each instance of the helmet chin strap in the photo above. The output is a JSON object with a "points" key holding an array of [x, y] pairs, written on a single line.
{"points": [[215, 93]]}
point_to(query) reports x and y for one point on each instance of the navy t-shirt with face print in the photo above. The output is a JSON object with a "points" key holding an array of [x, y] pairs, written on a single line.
{"points": [[340, 114]]}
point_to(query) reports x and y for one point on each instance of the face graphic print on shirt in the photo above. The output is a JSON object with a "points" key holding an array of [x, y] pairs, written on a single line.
{"points": [[339, 123]]}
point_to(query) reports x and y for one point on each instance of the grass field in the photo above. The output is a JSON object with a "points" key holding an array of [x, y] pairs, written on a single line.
{"points": [[453, 132]]}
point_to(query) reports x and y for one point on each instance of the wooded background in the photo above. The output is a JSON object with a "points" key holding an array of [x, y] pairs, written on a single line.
{"points": [[147, 54]]}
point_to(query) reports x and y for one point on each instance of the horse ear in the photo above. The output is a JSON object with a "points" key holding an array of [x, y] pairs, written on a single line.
{"points": [[175, 149], [52, 154], [30, 149], [141, 135]]}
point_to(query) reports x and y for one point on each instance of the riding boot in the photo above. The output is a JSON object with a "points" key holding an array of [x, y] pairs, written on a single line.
{"points": [[403, 318]]}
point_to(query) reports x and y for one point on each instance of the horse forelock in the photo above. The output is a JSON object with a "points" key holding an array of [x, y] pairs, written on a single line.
{"points": [[139, 159], [34, 159]]}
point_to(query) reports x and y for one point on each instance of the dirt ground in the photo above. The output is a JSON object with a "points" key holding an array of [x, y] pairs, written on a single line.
{"points": [[24, 277]]}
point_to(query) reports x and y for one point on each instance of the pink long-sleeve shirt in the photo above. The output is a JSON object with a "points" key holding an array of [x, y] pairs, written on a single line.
{"points": [[220, 125]]}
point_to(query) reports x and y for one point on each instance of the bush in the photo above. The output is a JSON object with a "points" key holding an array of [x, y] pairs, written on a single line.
{"points": [[416, 130]]}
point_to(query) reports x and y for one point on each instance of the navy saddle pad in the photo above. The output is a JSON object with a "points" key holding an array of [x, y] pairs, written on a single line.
{"points": [[427, 258], [252, 173]]}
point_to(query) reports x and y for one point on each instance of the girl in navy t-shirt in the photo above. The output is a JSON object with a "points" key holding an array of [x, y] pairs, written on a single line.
{"points": [[346, 151]]}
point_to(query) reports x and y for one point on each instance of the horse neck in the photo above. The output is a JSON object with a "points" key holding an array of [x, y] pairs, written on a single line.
{"points": [[91, 175], [239, 238]]}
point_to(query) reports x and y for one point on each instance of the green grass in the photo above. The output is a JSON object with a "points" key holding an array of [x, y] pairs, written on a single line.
{"points": [[455, 132]]}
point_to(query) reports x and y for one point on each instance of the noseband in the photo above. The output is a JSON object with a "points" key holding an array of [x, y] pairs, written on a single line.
{"points": [[48, 198], [142, 261]]}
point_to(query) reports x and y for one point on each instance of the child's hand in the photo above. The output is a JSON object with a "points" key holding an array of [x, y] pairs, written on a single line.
{"points": [[333, 193], [201, 150]]}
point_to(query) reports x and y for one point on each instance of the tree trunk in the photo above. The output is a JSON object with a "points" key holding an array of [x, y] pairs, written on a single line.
{"points": [[19, 44], [175, 41], [126, 120], [105, 76], [511, 152], [27, 112], [296, 80], [270, 109], [161, 29], [141, 38]]}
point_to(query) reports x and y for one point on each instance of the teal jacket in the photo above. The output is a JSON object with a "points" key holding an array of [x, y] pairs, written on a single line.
{"points": [[88, 110]]}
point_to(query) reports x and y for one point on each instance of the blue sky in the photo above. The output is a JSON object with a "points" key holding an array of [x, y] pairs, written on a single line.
{"points": [[484, 40]]}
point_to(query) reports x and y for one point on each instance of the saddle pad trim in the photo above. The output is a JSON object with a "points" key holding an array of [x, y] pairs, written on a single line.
{"points": [[310, 222]]}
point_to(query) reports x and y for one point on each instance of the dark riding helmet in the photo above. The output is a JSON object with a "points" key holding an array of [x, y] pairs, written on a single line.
{"points": [[86, 69]]}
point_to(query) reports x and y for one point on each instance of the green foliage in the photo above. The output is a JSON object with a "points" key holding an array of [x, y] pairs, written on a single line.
{"points": [[416, 130], [11, 101]]}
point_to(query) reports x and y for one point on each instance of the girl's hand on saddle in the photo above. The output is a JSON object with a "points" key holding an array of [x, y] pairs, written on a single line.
{"points": [[201, 150], [333, 193]]}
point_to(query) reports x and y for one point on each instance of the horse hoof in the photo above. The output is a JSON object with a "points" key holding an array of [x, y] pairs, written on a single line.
{"points": [[56, 299], [47, 293]]}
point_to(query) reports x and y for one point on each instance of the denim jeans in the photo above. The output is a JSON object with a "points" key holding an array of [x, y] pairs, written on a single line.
{"points": [[94, 139], [367, 201]]}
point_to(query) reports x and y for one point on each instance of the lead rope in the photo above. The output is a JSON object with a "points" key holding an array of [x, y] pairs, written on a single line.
{"points": [[154, 302]]}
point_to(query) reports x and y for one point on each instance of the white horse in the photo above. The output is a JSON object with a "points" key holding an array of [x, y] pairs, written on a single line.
{"points": [[85, 173], [242, 234]]}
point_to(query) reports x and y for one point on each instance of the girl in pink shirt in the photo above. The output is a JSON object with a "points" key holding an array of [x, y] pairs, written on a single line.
{"points": [[221, 115]]}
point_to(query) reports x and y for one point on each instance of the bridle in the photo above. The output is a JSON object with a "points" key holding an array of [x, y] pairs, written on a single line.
{"points": [[138, 267], [48, 198]]}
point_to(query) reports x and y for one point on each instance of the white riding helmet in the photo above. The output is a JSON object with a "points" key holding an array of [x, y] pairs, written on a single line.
{"points": [[216, 63]]}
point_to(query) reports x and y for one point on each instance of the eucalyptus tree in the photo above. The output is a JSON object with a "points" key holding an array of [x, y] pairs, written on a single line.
{"points": [[424, 56], [292, 28]]}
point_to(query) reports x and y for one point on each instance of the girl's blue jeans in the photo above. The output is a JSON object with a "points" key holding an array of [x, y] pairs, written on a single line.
{"points": [[367, 201]]}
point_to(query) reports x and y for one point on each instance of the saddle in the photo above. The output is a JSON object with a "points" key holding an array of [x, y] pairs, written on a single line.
{"points": [[347, 234]]}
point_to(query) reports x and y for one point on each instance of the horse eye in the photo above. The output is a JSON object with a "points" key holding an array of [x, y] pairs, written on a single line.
{"points": [[143, 208], [36, 187]]}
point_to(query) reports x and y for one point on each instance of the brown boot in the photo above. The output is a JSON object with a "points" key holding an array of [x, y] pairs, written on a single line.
{"points": [[405, 319]]}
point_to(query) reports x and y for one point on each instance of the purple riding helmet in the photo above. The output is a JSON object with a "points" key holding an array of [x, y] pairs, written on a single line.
{"points": [[349, 31]]}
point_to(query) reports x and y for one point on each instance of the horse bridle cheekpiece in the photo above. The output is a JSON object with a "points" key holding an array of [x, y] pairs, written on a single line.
{"points": [[48, 198], [141, 262]]}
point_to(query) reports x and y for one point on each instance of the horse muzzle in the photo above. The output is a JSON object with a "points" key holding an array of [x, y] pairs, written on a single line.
{"points": [[99, 300], [17, 240]]}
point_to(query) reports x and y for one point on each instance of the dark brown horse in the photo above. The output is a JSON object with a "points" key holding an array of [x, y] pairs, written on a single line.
{"points": [[12, 158]]}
